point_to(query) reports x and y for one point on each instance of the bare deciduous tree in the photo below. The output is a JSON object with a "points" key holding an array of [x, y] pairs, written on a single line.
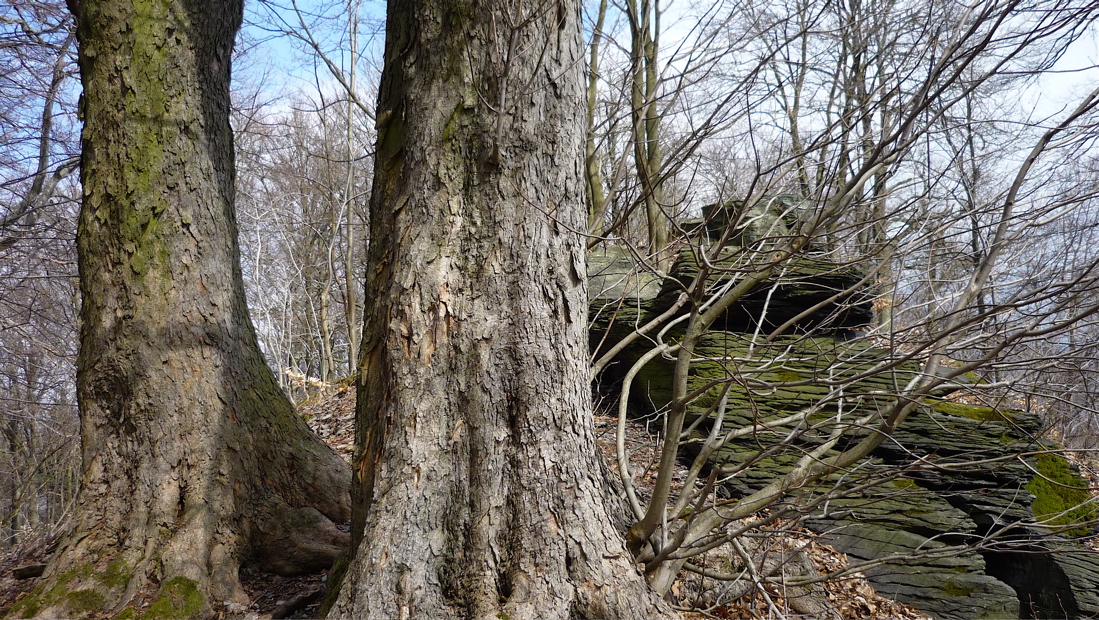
{"points": [[37, 268]]}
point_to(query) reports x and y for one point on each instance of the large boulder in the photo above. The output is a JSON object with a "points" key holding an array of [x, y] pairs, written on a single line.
{"points": [[620, 292], [941, 582], [792, 288], [957, 493]]}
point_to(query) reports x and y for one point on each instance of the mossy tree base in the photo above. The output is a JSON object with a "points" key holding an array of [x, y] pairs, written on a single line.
{"points": [[194, 462]]}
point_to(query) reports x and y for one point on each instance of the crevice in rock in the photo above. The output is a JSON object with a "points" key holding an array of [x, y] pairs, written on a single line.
{"points": [[1043, 588]]}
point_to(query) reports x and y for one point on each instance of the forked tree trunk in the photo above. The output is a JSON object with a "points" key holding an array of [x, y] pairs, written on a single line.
{"points": [[193, 459], [478, 492]]}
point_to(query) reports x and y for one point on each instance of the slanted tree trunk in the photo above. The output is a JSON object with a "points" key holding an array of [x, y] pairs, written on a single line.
{"points": [[193, 459], [477, 486]]}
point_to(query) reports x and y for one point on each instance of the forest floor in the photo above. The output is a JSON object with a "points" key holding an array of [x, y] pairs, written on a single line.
{"points": [[331, 415]]}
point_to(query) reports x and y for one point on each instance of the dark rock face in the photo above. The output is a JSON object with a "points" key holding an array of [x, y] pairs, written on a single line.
{"points": [[800, 285], [1053, 580], [951, 492]]}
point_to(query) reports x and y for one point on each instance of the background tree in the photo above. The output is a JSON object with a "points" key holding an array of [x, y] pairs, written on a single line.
{"points": [[311, 329], [193, 460], [37, 269], [302, 188]]}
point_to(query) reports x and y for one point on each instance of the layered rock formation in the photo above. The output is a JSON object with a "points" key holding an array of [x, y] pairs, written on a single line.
{"points": [[950, 498]]}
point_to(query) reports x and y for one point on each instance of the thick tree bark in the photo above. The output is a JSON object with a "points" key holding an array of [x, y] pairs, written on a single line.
{"points": [[193, 459], [478, 490]]}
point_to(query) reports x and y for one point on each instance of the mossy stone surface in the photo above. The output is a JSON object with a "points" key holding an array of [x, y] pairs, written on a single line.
{"points": [[979, 413], [833, 382], [953, 588], [1061, 496]]}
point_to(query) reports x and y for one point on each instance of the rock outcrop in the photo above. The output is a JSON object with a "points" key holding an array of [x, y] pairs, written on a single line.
{"points": [[950, 499]]}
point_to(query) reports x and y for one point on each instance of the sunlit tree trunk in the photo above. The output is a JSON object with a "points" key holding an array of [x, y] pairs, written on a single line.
{"points": [[350, 267], [477, 481], [194, 462], [645, 27], [593, 175]]}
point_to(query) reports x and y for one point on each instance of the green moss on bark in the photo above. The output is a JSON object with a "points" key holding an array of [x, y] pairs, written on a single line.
{"points": [[80, 602], [178, 598], [116, 575], [333, 583], [46, 595], [25, 607], [150, 105], [84, 602]]}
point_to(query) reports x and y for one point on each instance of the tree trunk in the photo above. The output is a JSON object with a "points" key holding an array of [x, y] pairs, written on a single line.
{"points": [[644, 26], [477, 487], [193, 460], [597, 198]]}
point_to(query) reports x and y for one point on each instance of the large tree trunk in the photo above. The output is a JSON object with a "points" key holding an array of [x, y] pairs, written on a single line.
{"points": [[193, 459], [478, 492]]}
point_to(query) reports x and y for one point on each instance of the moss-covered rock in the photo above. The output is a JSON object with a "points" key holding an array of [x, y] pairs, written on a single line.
{"points": [[1061, 496], [951, 587], [980, 413], [792, 288], [961, 477], [621, 295]]}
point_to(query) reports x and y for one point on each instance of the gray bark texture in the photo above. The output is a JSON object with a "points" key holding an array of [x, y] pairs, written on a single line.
{"points": [[194, 462], [477, 489]]}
